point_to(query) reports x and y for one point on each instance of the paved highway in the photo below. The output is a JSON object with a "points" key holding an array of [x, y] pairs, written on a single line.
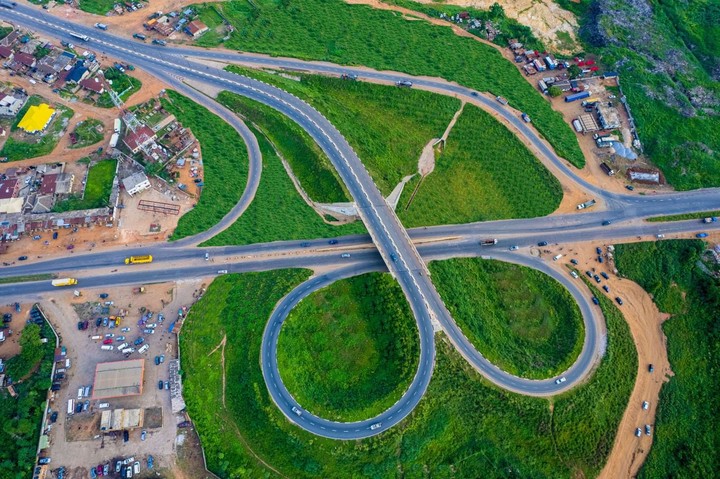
{"points": [[398, 252]]}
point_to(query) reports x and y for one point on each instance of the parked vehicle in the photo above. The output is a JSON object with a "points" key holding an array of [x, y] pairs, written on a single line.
{"points": [[638, 432], [162, 43], [101, 26], [701, 235], [542, 243], [606, 288], [404, 83], [139, 341], [160, 384], [501, 100], [184, 424], [645, 405], [139, 36], [525, 118], [143, 435], [651, 368], [577, 96], [144, 349], [619, 300], [587, 204]]}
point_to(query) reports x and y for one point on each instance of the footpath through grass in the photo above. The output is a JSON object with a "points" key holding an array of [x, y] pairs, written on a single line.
{"points": [[522, 320], [97, 189], [32, 146], [334, 31], [225, 164], [463, 428], [278, 212], [387, 126], [20, 416], [686, 441], [485, 173], [349, 351]]}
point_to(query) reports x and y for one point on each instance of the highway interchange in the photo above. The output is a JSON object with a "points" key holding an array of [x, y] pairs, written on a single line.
{"points": [[388, 247]]}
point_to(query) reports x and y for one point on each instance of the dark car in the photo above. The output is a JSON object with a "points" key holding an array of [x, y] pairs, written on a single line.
{"points": [[595, 300], [606, 223], [543, 243], [589, 274], [160, 384], [574, 261], [651, 368], [393, 257], [45, 460], [619, 300], [53, 416], [78, 408], [596, 278], [55, 235], [55, 387], [184, 424], [126, 436], [139, 341], [305, 244], [598, 250], [103, 295], [333, 242], [600, 259], [98, 322], [605, 287], [474, 93], [630, 187], [22, 258]]}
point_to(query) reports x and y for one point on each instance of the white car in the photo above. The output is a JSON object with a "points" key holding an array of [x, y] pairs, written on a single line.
{"points": [[222, 271], [123, 346], [646, 405], [573, 274], [136, 467], [375, 426], [514, 248], [144, 349], [555, 258], [345, 255], [297, 411], [560, 380], [151, 325]]}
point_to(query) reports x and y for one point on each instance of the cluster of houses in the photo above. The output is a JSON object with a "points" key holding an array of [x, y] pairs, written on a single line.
{"points": [[167, 24]]}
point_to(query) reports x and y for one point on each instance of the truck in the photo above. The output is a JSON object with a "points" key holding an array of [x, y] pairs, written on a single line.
{"points": [[71, 407], [577, 96], [577, 125], [114, 140], [80, 36], [502, 100], [101, 26], [116, 125], [139, 259], [488, 242], [64, 282], [711, 219], [606, 168], [590, 102], [139, 36], [403, 83], [587, 204], [139, 290], [8, 4], [526, 118]]}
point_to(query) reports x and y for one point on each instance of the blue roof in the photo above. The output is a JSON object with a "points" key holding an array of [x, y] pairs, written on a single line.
{"points": [[68, 54], [610, 74], [76, 73]]}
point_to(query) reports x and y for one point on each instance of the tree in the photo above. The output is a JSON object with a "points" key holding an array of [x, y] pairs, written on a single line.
{"points": [[497, 11], [574, 71], [554, 91]]}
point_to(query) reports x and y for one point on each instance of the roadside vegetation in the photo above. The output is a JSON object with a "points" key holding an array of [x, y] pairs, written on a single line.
{"points": [[388, 127], [308, 162], [522, 320], [122, 84], [20, 416], [225, 164], [98, 7], [26, 278], [348, 352], [97, 189], [463, 427], [685, 443], [360, 35], [484, 173], [277, 212], [22, 146], [88, 133], [668, 57], [686, 216]]}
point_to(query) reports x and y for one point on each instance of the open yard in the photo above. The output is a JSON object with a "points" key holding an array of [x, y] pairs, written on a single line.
{"points": [[122, 84], [334, 31], [348, 351], [97, 188], [687, 421], [463, 428], [88, 133], [21, 145]]}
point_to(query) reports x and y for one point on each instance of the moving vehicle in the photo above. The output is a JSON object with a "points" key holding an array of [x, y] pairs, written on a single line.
{"points": [[222, 271], [606, 223], [711, 219], [64, 282], [489, 242], [514, 247], [587, 204], [79, 36], [375, 426], [543, 243], [297, 411], [101, 26], [162, 43], [560, 380], [501, 100], [333, 242], [8, 4], [139, 259], [345, 255], [404, 83], [139, 36], [525, 118]]}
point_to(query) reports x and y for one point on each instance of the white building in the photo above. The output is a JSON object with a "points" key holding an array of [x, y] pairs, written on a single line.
{"points": [[136, 183]]}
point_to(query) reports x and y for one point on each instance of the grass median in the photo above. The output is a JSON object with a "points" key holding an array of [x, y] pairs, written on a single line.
{"points": [[347, 352]]}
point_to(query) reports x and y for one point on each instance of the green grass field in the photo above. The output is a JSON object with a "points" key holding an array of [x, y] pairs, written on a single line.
{"points": [[463, 428], [359, 35], [685, 443], [20, 416], [278, 212], [97, 189], [39, 144], [87, 133], [225, 164], [520, 319], [308, 162], [348, 351], [388, 127], [98, 7], [483, 174]]}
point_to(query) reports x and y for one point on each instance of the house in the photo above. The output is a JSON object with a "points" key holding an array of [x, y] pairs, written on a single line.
{"points": [[136, 183], [23, 61], [136, 140], [196, 28], [8, 188], [6, 52], [45, 72], [37, 118], [77, 73], [10, 38], [93, 84], [10, 105]]}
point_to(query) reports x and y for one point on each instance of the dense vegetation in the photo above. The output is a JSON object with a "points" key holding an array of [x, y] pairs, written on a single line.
{"points": [[462, 428], [225, 164], [355, 34], [32, 146], [668, 55], [88, 133], [349, 351], [97, 189], [522, 320], [387, 127], [277, 212], [98, 7], [484, 173], [20, 416], [686, 441]]}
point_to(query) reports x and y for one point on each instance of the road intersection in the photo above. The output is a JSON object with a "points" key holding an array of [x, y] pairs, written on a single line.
{"points": [[393, 248]]}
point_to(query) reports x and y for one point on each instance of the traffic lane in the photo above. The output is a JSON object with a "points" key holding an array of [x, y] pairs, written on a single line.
{"points": [[315, 424]]}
